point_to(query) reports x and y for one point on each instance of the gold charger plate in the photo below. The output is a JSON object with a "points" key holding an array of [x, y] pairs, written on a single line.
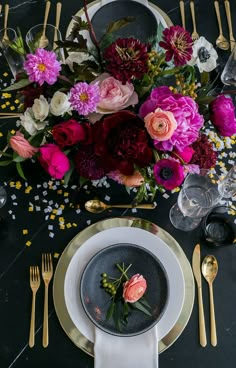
{"points": [[58, 284], [81, 12]]}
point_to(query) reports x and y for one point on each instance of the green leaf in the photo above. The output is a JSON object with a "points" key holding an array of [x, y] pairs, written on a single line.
{"points": [[82, 181], [5, 163], [67, 175], [144, 302], [18, 85], [110, 311], [205, 77], [141, 307], [118, 24], [20, 171], [17, 158]]}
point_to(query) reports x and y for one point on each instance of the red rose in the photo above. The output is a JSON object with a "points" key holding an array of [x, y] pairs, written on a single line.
{"points": [[71, 132], [122, 142]]}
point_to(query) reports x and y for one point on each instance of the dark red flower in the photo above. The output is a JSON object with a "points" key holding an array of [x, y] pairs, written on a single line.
{"points": [[178, 44], [30, 93], [71, 132], [204, 155], [87, 164], [122, 142], [126, 59]]}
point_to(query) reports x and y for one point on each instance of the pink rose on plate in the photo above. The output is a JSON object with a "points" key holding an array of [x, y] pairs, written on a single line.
{"points": [[160, 124], [21, 146], [223, 115], [53, 160], [134, 288], [185, 111], [114, 96]]}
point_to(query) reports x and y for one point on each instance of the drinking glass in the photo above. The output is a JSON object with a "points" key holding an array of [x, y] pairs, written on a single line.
{"points": [[198, 195], [228, 75], [227, 186], [52, 34], [13, 58]]}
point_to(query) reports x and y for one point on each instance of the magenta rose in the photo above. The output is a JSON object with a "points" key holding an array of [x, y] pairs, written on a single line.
{"points": [[168, 173], [121, 140], [185, 155], [185, 111], [114, 96], [223, 115], [71, 132], [53, 160], [134, 288]]}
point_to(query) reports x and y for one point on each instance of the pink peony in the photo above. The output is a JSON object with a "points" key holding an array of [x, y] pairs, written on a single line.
{"points": [[168, 173], [21, 146], [53, 160], [185, 155], [160, 124], [185, 111], [114, 95], [42, 66], [134, 288], [223, 115]]}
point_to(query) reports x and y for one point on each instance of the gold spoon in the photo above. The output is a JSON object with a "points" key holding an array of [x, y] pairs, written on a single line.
{"points": [[43, 41], [209, 271], [228, 14], [0, 8], [182, 12], [5, 36], [96, 206], [221, 41]]}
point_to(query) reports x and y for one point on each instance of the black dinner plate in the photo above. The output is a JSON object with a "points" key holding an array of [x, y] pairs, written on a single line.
{"points": [[144, 27], [96, 301]]}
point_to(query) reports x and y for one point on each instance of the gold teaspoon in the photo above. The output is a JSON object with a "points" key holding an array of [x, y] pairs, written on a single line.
{"points": [[209, 271], [96, 206], [228, 14], [5, 36], [221, 41], [57, 23]]}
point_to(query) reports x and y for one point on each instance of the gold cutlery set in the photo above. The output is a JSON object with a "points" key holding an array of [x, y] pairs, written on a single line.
{"points": [[221, 41], [208, 269], [47, 273]]}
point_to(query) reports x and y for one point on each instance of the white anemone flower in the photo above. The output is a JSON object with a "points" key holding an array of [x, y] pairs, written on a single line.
{"points": [[204, 55]]}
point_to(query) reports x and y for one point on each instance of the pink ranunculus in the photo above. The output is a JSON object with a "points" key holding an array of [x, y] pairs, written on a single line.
{"points": [[185, 111], [223, 115], [53, 160], [160, 124], [114, 95], [134, 288], [134, 180], [21, 146]]}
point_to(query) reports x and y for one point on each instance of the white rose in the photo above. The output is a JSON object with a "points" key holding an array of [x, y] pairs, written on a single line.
{"points": [[77, 57], [40, 108], [59, 104], [29, 124]]}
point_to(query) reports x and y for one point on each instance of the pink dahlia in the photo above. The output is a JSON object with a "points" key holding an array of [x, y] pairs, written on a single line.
{"points": [[178, 45], [84, 97], [168, 173], [42, 66], [126, 59], [185, 111]]}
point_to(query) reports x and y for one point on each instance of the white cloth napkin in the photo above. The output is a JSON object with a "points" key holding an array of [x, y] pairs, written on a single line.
{"points": [[126, 352]]}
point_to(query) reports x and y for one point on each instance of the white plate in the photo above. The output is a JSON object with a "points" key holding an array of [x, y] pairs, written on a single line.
{"points": [[95, 5], [121, 235]]}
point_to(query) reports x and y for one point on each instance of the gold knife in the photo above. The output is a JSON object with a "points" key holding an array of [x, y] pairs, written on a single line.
{"points": [[228, 14], [182, 12], [196, 265]]}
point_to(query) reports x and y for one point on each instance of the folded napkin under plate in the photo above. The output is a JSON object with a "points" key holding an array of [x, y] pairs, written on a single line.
{"points": [[175, 298]]}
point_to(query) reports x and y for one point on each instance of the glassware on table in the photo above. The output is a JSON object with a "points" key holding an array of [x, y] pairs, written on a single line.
{"points": [[227, 186], [198, 195], [13, 58], [219, 226], [3, 199], [228, 75], [52, 34]]}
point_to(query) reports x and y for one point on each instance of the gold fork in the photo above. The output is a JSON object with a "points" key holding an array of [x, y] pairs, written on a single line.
{"points": [[34, 284], [47, 272], [195, 35]]}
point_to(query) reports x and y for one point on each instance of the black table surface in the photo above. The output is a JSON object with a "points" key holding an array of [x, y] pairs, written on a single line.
{"points": [[45, 235]]}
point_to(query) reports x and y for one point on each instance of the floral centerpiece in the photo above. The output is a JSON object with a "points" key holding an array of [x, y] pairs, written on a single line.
{"points": [[125, 110]]}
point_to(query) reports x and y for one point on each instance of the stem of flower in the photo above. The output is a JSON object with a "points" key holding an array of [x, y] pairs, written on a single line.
{"points": [[93, 35], [123, 272]]}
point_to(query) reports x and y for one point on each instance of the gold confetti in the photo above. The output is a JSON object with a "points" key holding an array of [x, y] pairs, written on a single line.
{"points": [[56, 255], [25, 231], [12, 131], [30, 209], [28, 243], [52, 217]]}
